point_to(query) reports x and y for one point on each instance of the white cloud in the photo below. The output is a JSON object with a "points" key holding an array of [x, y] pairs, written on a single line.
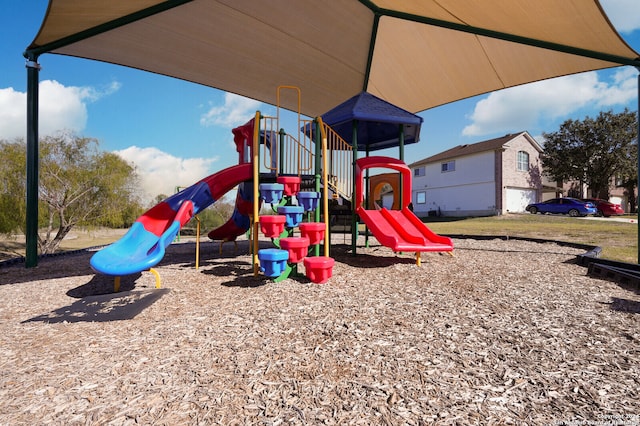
{"points": [[521, 107], [236, 111], [161, 173], [623, 90], [12, 113], [622, 14], [61, 108]]}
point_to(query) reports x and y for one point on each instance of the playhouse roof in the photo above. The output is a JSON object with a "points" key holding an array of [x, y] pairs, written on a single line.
{"points": [[378, 122]]}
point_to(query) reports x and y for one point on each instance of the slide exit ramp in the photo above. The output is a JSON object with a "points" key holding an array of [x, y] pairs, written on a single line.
{"points": [[400, 230]]}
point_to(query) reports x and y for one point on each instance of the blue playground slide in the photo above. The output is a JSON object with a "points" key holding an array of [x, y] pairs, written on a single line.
{"points": [[144, 244]]}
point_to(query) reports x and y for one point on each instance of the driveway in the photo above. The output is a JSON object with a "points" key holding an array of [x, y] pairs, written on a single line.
{"points": [[611, 219]]}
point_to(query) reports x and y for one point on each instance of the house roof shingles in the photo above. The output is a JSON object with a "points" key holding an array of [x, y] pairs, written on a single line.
{"points": [[474, 148]]}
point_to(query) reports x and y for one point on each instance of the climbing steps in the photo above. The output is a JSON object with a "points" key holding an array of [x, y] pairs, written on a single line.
{"points": [[281, 262]]}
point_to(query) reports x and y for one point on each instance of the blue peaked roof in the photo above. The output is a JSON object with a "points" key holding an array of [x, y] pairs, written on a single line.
{"points": [[378, 122]]}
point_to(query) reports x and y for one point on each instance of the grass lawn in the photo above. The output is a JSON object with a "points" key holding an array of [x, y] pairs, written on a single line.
{"points": [[618, 240]]}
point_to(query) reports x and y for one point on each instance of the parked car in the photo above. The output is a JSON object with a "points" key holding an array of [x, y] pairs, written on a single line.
{"points": [[566, 205], [605, 208]]}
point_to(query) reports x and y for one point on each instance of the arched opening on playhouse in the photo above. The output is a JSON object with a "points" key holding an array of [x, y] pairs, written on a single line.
{"points": [[378, 185]]}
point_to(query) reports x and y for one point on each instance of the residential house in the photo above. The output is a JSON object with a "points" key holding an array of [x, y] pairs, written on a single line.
{"points": [[492, 177]]}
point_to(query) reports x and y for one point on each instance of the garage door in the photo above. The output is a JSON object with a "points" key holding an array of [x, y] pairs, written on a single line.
{"points": [[517, 199]]}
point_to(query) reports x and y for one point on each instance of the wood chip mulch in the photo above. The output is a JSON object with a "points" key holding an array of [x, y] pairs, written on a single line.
{"points": [[500, 333]]}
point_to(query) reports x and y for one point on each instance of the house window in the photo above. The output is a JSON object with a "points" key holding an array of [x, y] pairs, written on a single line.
{"points": [[449, 166], [418, 172], [523, 161], [421, 197]]}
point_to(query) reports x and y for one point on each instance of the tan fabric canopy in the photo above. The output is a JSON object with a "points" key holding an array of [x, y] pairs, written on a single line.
{"points": [[416, 54]]}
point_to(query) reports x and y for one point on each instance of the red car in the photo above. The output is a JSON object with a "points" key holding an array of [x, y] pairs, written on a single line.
{"points": [[606, 208]]}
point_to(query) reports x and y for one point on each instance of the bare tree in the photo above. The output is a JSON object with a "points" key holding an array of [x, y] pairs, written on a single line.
{"points": [[78, 185]]}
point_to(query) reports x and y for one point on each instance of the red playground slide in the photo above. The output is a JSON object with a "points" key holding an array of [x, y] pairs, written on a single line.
{"points": [[400, 230]]}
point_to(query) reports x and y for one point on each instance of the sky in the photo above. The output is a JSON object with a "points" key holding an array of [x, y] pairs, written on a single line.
{"points": [[177, 132]]}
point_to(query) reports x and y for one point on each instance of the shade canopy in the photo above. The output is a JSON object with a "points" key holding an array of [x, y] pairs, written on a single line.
{"points": [[377, 123], [416, 54]]}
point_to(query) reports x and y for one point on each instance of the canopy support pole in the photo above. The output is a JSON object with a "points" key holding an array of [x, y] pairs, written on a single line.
{"points": [[319, 183], [638, 177], [401, 183], [31, 228], [354, 218], [367, 189]]}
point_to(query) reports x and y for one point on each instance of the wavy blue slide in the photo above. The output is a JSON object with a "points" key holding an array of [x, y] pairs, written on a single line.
{"points": [[144, 244]]}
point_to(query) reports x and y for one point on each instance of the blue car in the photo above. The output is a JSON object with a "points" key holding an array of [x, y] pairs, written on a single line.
{"points": [[566, 205]]}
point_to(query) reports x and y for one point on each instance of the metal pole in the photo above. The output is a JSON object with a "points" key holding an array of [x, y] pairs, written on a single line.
{"points": [[325, 196], [366, 189], [400, 182], [354, 219], [280, 169], [31, 231], [255, 163], [318, 169], [638, 159]]}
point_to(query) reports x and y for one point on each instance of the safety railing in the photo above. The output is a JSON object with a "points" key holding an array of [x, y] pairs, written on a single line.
{"points": [[270, 143], [285, 154], [298, 155], [339, 162], [282, 153]]}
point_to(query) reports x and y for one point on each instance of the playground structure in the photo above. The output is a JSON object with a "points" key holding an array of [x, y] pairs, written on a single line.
{"points": [[296, 175]]}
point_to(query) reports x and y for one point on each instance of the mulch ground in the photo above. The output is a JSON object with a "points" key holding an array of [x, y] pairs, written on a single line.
{"points": [[503, 332]]}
